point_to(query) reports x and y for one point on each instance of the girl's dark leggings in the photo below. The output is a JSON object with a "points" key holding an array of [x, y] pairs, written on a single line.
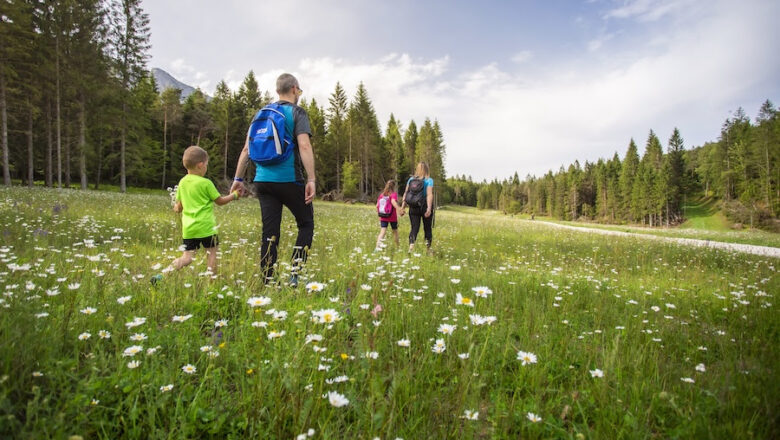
{"points": [[427, 226]]}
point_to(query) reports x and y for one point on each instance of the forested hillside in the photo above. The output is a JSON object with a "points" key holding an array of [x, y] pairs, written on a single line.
{"points": [[78, 104]]}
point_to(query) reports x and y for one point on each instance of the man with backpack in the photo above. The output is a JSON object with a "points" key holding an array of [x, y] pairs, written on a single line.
{"points": [[418, 196], [279, 144]]}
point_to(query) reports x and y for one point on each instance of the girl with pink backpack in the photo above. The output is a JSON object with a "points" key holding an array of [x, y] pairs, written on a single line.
{"points": [[387, 207]]}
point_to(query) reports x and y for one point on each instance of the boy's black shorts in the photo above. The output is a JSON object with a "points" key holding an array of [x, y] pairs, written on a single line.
{"points": [[191, 244]]}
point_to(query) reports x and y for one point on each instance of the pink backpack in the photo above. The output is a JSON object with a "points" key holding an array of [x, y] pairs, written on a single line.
{"points": [[384, 207]]}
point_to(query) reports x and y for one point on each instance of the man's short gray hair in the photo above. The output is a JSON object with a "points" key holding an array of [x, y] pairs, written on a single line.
{"points": [[285, 83]]}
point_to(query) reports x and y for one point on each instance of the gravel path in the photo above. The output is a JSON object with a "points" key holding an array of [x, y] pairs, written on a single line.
{"points": [[734, 247]]}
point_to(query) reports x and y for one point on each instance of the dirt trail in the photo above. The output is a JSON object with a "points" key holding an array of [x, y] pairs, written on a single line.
{"points": [[765, 251]]}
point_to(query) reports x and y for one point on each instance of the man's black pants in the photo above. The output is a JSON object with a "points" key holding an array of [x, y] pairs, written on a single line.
{"points": [[272, 197]]}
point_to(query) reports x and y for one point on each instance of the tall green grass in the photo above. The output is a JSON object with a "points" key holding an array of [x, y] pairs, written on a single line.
{"points": [[646, 314]]}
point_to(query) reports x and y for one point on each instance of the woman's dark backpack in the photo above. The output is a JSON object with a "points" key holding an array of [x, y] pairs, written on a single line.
{"points": [[416, 198]]}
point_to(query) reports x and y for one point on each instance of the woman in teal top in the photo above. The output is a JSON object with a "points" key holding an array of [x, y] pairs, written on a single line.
{"points": [[421, 213]]}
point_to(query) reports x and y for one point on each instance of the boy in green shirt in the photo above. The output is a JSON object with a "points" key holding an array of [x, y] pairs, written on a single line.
{"points": [[195, 199]]}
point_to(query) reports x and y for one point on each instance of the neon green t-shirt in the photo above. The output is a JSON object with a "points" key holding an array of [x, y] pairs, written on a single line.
{"points": [[197, 195]]}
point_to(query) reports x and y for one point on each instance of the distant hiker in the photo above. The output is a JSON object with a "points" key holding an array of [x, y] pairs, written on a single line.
{"points": [[418, 196], [195, 199], [278, 142], [387, 208]]}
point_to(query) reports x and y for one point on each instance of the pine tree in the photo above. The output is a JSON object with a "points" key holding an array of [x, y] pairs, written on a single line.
{"points": [[394, 144], [628, 177], [337, 136], [129, 39], [675, 175]]}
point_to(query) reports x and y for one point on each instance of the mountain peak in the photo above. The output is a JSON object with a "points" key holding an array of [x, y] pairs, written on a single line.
{"points": [[166, 81]]}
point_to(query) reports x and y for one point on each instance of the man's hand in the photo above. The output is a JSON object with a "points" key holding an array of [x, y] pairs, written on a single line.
{"points": [[239, 186], [309, 192]]}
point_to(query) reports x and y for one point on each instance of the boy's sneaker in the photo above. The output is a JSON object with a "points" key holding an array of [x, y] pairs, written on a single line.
{"points": [[156, 279]]}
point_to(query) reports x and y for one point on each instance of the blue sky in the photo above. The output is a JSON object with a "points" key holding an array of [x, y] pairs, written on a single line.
{"points": [[516, 85]]}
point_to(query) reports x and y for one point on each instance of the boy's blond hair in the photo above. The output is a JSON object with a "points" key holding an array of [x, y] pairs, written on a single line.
{"points": [[193, 156]]}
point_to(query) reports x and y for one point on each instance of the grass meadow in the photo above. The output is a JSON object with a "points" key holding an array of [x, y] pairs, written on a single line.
{"points": [[509, 330]]}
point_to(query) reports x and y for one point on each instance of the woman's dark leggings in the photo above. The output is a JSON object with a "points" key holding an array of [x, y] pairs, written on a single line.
{"points": [[272, 197], [427, 226]]}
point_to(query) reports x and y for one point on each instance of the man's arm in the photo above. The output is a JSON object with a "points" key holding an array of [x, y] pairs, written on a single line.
{"points": [[307, 157], [243, 158]]}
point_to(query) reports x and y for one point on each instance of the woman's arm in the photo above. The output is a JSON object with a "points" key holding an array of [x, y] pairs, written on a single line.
{"points": [[430, 201]]}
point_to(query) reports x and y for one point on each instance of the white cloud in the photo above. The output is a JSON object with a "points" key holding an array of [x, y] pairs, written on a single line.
{"points": [[647, 10]]}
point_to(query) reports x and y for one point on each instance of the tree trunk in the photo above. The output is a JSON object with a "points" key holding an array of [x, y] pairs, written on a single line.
{"points": [[67, 155], [83, 142], [49, 146], [225, 169], [100, 161], [4, 129], [122, 142], [30, 156], [165, 147], [59, 119]]}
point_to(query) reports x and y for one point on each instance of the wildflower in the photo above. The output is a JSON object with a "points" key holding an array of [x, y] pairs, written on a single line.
{"points": [[314, 287], [37, 374], [213, 354], [84, 336], [166, 388], [94, 402], [132, 350], [137, 337], [596, 373], [337, 379], [365, 287], [260, 324], [463, 355], [470, 415], [221, 323], [687, 380], [133, 364], [88, 310], [74, 286], [336, 399], [372, 355], [180, 318], [313, 338], [455, 268], [482, 291], [701, 368], [480, 320], [104, 334], [404, 343], [454, 281], [439, 346], [189, 369], [52, 292], [258, 301], [463, 301], [447, 329], [526, 357], [275, 334], [135, 322], [533, 417], [123, 299], [206, 348], [152, 350], [325, 316], [41, 315], [376, 310]]}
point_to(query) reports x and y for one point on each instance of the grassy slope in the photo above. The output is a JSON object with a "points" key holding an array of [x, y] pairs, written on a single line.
{"points": [[645, 313]]}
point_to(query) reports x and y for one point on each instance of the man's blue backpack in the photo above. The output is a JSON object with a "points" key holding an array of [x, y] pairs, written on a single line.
{"points": [[269, 140]]}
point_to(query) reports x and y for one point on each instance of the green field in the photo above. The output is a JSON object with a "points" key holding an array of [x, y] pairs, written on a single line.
{"points": [[631, 338], [703, 222]]}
